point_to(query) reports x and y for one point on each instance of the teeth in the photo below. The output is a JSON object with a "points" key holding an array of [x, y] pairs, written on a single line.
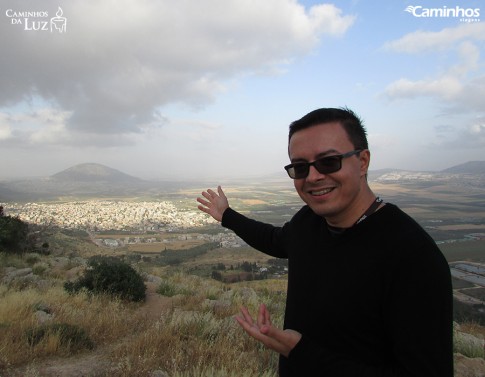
{"points": [[321, 192]]}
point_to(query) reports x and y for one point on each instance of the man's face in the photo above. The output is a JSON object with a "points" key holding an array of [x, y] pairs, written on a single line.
{"points": [[335, 196]]}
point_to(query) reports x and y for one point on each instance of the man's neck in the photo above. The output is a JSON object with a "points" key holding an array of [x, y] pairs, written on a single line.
{"points": [[356, 210]]}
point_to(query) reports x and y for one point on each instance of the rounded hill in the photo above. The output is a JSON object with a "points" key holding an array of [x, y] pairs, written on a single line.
{"points": [[91, 172], [470, 167]]}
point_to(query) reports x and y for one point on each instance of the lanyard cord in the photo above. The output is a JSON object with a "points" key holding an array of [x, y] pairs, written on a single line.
{"points": [[373, 207], [335, 232]]}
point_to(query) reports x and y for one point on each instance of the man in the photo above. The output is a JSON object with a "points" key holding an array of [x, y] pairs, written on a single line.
{"points": [[369, 292]]}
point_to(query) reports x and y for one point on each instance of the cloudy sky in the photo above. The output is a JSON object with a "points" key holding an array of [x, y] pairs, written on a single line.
{"points": [[190, 89]]}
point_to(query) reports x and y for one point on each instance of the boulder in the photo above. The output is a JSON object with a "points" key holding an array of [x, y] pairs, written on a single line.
{"points": [[469, 367]]}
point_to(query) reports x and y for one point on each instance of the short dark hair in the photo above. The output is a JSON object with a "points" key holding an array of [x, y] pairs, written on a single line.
{"points": [[351, 123]]}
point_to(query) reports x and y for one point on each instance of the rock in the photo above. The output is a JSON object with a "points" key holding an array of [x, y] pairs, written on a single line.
{"points": [[159, 373], [24, 278], [41, 306], [21, 278], [218, 307], [246, 295], [43, 284], [60, 262], [13, 274], [74, 273], [152, 279], [8, 270], [43, 317], [469, 367]]}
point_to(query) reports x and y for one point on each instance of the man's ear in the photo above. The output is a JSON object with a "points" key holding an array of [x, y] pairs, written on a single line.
{"points": [[364, 157]]}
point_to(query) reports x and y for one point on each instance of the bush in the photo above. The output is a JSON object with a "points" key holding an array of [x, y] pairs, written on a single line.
{"points": [[174, 257], [467, 344], [216, 275], [13, 234], [167, 289], [112, 276]]}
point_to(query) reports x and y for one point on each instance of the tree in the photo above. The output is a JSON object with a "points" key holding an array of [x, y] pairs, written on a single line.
{"points": [[13, 234], [246, 266], [216, 275]]}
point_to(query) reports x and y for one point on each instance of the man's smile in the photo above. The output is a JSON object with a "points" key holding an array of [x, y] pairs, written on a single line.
{"points": [[322, 191]]}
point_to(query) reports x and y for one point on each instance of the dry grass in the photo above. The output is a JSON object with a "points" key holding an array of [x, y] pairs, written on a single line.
{"points": [[103, 319], [195, 335], [198, 336], [183, 342], [473, 328]]}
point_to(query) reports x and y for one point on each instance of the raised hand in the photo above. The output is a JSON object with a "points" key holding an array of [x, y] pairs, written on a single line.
{"points": [[281, 341], [216, 203]]}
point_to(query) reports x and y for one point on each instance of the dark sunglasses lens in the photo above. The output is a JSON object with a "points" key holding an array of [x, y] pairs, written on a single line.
{"points": [[325, 165], [300, 170], [328, 165]]}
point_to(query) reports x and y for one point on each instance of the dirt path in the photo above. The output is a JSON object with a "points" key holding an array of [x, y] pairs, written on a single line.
{"points": [[155, 304], [97, 362]]}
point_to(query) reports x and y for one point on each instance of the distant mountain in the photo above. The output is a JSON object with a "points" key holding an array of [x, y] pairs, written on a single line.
{"points": [[80, 181], [471, 167], [93, 180], [91, 172]]}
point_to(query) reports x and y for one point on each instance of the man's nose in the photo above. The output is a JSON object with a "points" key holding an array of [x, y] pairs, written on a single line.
{"points": [[314, 174]]}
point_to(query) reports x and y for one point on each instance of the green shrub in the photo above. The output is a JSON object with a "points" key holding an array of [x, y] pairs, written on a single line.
{"points": [[111, 276], [13, 234], [167, 289], [174, 257], [468, 345], [40, 268], [70, 336], [32, 258]]}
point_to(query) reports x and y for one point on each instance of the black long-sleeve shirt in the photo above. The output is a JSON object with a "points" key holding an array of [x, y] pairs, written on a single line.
{"points": [[374, 301]]}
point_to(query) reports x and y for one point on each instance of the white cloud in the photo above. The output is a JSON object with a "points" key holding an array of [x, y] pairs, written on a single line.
{"points": [[119, 62], [328, 19], [445, 87], [459, 86], [425, 41], [194, 130], [456, 91], [5, 129], [473, 95], [476, 134], [55, 133], [382, 141], [469, 137], [477, 129]]}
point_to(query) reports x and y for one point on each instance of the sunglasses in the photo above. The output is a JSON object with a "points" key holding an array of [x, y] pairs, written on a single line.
{"points": [[324, 165]]}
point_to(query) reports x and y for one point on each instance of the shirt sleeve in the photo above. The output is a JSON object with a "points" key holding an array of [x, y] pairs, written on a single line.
{"points": [[264, 237]]}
